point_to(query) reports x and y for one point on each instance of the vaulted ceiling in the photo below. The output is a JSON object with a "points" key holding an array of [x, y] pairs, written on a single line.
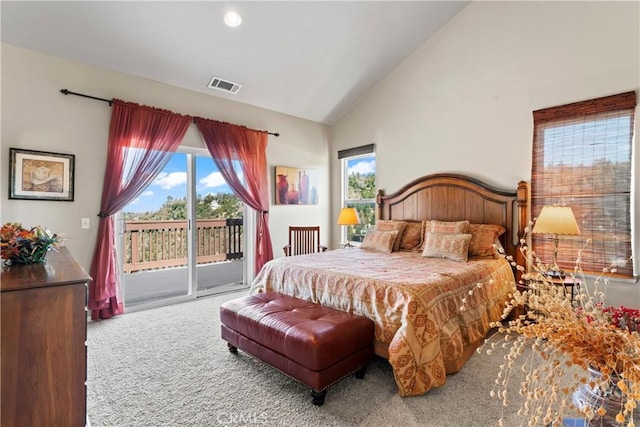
{"points": [[312, 60]]}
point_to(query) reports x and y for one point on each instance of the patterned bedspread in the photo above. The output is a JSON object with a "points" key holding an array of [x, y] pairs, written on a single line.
{"points": [[414, 302]]}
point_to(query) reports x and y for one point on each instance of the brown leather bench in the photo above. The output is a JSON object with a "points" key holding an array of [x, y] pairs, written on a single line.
{"points": [[313, 344]]}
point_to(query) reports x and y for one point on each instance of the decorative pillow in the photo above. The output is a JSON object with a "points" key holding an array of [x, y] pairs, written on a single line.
{"points": [[411, 236], [426, 227], [379, 241], [448, 246], [449, 227], [391, 225], [483, 236]]}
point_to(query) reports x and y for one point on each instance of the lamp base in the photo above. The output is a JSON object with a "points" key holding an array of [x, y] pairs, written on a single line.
{"points": [[555, 271]]}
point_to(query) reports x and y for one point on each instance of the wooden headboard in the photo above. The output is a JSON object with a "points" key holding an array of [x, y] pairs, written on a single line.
{"points": [[453, 197]]}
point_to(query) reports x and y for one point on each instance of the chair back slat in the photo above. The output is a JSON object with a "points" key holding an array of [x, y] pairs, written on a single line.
{"points": [[303, 240]]}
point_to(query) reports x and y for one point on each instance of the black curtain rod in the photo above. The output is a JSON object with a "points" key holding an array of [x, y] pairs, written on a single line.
{"points": [[110, 102], [68, 92]]}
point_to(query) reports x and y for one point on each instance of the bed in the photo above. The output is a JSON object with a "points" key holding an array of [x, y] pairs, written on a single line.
{"points": [[415, 300]]}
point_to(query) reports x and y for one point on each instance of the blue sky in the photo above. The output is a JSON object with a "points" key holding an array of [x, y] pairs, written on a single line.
{"points": [[172, 181], [363, 165]]}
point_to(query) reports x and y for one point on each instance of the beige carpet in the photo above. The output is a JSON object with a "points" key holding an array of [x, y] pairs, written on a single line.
{"points": [[169, 367]]}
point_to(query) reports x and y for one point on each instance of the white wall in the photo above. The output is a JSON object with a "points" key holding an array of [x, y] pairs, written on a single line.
{"points": [[463, 101], [35, 115]]}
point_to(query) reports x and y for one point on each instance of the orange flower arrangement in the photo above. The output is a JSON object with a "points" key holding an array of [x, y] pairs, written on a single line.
{"points": [[19, 245], [551, 348]]}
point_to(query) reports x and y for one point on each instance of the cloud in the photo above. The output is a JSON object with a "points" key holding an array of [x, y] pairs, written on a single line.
{"points": [[135, 201], [214, 179], [363, 168], [169, 180], [147, 193]]}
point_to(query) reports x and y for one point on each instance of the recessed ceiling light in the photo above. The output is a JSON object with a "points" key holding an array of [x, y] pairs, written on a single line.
{"points": [[232, 18]]}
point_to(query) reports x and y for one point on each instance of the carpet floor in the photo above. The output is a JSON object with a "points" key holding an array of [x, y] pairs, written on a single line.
{"points": [[168, 366]]}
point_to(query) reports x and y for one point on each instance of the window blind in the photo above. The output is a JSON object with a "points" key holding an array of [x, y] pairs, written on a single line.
{"points": [[356, 151], [582, 158]]}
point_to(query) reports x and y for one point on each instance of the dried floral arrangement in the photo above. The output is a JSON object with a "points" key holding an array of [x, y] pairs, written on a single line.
{"points": [[19, 245], [556, 343]]}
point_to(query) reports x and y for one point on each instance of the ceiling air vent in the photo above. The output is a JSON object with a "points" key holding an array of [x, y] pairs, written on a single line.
{"points": [[224, 85]]}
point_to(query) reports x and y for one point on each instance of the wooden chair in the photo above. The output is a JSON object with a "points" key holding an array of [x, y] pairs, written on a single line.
{"points": [[303, 240]]}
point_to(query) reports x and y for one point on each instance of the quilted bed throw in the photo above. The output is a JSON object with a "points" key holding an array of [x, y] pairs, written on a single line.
{"points": [[414, 302]]}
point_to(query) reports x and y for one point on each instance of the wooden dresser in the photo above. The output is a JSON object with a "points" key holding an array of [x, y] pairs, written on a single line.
{"points": [[44, 353]]}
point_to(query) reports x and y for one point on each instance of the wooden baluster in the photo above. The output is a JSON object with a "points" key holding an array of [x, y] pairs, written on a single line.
{"points": [[135, 256]]}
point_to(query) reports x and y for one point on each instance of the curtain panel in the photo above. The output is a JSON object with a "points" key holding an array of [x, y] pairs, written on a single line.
{"points": [[141, 141], [240, 155]]}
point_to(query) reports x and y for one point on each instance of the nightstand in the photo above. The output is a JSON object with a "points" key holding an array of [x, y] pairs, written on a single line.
{"points": [[570, 285]]}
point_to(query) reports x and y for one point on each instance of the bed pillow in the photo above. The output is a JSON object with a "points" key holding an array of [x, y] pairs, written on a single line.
{"points": [[446, 245], [426, 227], [412, 236], [483, 236], [391, 225], [449, 227], [379, 241]]}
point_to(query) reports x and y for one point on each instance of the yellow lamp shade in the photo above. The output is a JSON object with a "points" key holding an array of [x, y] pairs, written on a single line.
{"points": [[557, 220], [348, 216]]}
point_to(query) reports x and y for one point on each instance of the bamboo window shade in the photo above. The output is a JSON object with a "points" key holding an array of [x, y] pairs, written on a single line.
{"points": [[582, 159]]}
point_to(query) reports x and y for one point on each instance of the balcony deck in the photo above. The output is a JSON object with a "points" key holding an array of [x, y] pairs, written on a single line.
{"points": [[155, 255], [152, 285]]}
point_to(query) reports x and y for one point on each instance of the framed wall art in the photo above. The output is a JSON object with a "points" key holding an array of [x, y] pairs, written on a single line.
{"points": [[296, 186], [40, 175]]}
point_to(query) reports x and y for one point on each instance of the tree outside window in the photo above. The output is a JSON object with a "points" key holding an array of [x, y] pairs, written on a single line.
{"points": [[360, 193]]}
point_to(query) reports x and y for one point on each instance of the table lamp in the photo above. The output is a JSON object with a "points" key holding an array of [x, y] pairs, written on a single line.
{"points": [[556, 221], [348, 216]]}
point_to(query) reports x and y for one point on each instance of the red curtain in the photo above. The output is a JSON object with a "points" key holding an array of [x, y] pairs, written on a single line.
{"points": [[240, 155], [141, 142]]}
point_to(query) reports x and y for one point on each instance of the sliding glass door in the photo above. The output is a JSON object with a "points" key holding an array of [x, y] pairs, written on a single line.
{"points": [[183, 236], [219, 230], [156, 238]]}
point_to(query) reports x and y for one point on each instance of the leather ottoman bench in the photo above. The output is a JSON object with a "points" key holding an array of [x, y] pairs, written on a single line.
{"points": [[313, 344]]}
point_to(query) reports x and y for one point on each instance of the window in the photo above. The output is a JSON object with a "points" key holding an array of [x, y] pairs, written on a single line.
{"points": [[359, 189], [582, 159]]}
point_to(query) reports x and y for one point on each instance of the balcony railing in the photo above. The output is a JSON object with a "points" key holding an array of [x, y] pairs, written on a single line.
{"points": [[161, 244]]}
